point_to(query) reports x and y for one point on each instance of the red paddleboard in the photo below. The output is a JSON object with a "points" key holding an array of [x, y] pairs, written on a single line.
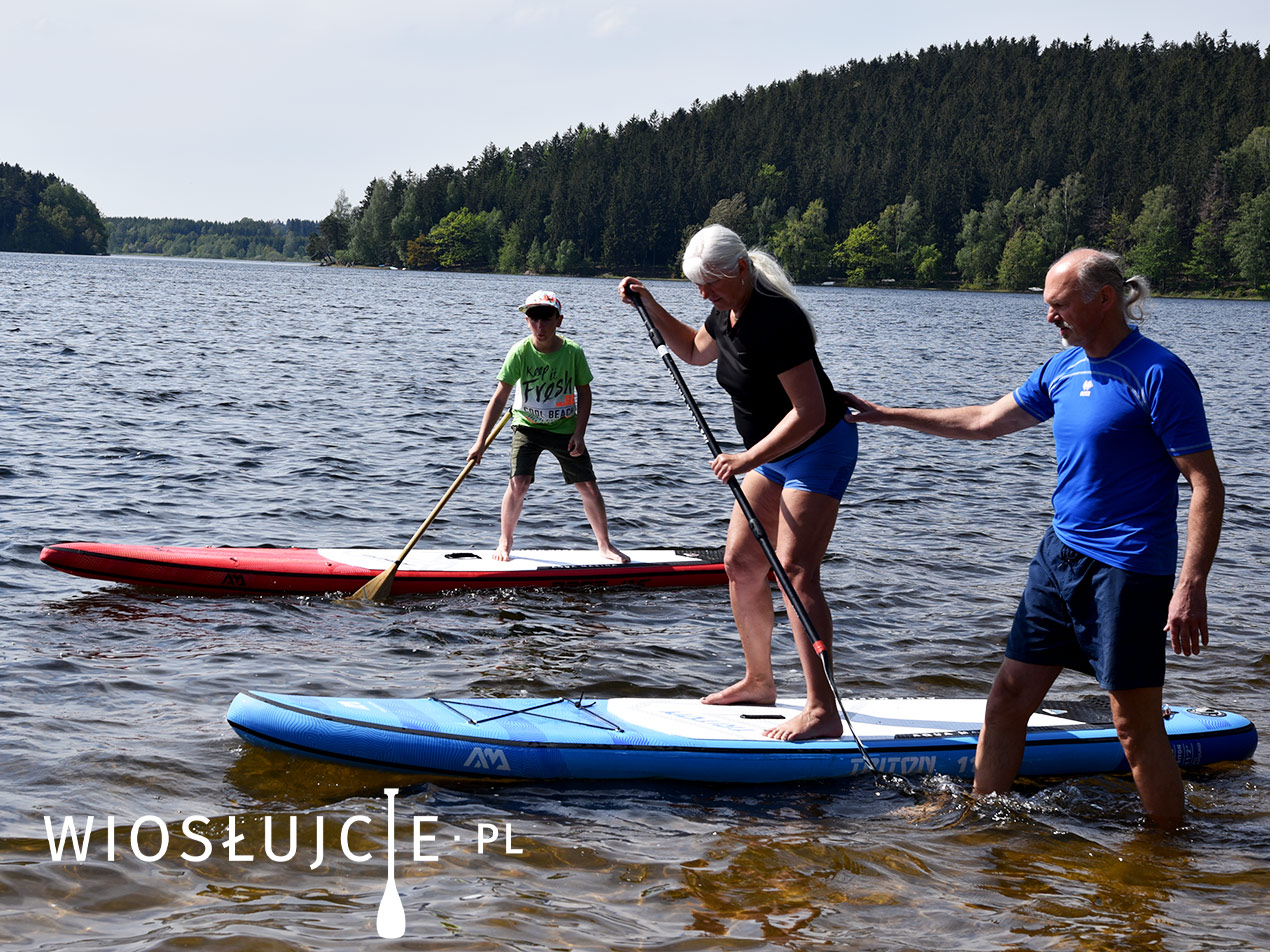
{"points": [[222, 570]]}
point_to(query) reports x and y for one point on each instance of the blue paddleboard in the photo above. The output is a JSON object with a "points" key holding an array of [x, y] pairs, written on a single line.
{"points": [[674, 739]]}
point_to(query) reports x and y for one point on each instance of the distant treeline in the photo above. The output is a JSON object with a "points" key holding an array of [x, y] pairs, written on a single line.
{"points": [[971, 165], [181, 237], [41, 213]]}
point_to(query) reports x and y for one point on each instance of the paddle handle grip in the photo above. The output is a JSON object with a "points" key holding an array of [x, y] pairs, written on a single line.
{"points": [[668, 359]]}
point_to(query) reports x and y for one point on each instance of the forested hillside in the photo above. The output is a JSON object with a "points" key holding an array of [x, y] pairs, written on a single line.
{"points": [[41, 213], [970, 164], [181, 237]]}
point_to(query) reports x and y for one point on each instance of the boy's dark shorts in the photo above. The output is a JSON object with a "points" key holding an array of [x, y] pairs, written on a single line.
{"points": [[528, 442], [1084, 614]]}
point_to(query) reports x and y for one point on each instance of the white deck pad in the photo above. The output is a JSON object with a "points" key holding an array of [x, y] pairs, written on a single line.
{"points": [[876, 718], [482, 560]]}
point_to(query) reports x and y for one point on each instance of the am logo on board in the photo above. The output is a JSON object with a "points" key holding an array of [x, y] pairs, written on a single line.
{"points": [[487, 758]]}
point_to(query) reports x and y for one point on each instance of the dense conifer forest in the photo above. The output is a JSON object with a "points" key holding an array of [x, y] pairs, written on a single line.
{"points": [[971, 165], [44, 214]]}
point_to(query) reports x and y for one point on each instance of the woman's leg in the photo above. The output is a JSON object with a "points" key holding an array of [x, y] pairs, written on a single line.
{"points": [[751, 594], [805, 526]]}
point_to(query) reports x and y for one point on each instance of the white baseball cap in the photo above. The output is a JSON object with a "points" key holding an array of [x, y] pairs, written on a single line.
{"points": [[542, 299]]}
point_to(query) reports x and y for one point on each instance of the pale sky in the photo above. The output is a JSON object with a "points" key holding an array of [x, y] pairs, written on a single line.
{"points": [[230, 109]]}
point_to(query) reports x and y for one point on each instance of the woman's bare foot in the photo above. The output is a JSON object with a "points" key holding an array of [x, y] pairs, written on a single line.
{"points": [[746, 691], [503, 553], [807, 725], [614, 554]]}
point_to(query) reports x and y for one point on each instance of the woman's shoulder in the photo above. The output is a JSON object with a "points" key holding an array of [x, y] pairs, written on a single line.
{"points": [[777, 304], [716, 322], [778, 319]]}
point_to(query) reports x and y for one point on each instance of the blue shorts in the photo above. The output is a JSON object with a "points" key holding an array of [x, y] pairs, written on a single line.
{"points": [[1080, 613], [824, 466]]}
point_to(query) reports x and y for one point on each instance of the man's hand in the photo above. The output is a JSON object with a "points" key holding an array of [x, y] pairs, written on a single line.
{"points": [[1188, 619]]}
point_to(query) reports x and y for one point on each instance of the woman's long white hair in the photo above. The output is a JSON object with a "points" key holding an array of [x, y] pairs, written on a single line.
{"points": [[716, 252]]}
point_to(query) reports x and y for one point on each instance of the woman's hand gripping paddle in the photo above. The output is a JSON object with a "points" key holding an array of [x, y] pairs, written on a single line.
{"points": [[756, 527], [380, 587]]}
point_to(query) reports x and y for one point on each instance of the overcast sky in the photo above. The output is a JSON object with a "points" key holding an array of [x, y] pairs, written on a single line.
{"points": [[265, 109]]}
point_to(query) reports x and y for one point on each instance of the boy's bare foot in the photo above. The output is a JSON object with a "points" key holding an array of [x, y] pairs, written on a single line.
{"points": [[745, 691], [807, 725]]}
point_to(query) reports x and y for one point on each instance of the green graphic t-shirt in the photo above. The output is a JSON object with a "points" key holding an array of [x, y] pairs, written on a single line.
{"points": [[546, 384]]}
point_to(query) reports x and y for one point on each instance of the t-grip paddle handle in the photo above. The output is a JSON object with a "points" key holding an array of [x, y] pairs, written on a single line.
{"points": [[751, 517]]}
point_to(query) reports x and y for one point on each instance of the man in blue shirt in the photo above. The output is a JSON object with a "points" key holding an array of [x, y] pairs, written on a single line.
{"points": [[1127, 419]]}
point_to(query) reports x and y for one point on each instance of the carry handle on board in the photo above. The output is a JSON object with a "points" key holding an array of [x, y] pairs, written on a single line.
{"points": [[756, 527]]}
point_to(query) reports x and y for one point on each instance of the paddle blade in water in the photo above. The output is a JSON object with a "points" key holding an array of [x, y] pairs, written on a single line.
{"points": [[377, 589], [380, 587]]}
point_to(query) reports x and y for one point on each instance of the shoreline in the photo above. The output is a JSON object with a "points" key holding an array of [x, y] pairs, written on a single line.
{"points": [[1242, 295]]}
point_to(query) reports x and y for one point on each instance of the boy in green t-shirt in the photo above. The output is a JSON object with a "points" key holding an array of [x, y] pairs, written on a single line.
{"points": [[551, 379]]}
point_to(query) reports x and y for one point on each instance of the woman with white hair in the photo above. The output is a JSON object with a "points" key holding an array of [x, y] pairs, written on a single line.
{"points": [[799, 455]]}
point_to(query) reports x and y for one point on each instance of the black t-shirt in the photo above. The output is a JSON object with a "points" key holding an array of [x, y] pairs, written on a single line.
{"points": [[771, 336]]}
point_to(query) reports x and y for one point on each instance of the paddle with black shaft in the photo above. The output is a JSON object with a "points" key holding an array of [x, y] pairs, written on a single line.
{"points": [[756, 527], [380, 586]]}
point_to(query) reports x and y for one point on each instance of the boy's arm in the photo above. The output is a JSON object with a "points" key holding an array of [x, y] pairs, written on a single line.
{"points": [[577, 442], [493, 411]]}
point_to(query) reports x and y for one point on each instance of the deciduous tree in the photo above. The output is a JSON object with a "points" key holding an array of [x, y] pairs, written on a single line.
{"points": [[1157, 247], [1249, 239], [801, 243], [862, 255]]}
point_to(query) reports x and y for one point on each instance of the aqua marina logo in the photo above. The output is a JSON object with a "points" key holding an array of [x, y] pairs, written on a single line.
{"points": [[149, 839]]}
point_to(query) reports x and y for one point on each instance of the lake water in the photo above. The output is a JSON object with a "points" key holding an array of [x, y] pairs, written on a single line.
{"points": [[207, 402]]}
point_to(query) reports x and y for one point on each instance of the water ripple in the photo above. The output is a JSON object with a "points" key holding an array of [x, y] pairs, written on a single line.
{"points": [[192, 402]]}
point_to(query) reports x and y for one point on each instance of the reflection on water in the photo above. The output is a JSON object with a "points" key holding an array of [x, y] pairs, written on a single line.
{"points": [[201, 403]]}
